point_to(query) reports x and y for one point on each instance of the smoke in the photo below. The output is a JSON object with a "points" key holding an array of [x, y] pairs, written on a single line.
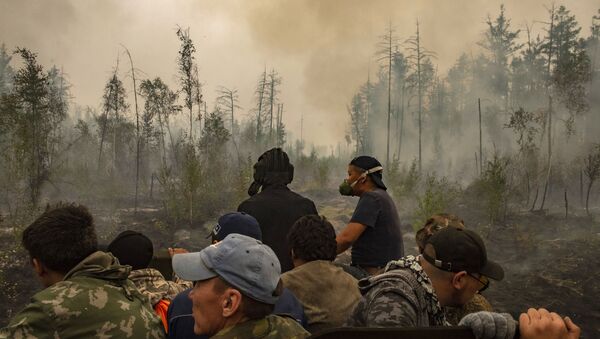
{"points": [[324, 50]]}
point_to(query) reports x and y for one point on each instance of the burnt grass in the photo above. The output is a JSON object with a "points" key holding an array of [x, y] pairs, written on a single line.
{"points": [[550, 261]]}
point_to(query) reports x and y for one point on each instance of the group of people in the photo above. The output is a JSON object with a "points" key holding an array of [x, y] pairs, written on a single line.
{"points": [[269, 272]]}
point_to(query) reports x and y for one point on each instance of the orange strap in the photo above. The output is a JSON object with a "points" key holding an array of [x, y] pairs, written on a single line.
{"points": [[161, 309]]}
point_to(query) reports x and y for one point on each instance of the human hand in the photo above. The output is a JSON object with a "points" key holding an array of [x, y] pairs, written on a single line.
{"points": [[177, 250], [546, 325], [490, 325]]}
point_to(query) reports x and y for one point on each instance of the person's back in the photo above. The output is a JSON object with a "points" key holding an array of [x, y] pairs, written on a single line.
{"points": [[84, 297], [270, 327], [327, 293], [276, 207], [136, 250], [402, 296], [95, 299], [381, 241]]}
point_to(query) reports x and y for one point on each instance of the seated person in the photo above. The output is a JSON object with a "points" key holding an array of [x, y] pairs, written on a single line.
{"points": [[327, 293], [412, 291], [136, 250], [236, 286], [432, 226], [179, 315], [87, 293]]}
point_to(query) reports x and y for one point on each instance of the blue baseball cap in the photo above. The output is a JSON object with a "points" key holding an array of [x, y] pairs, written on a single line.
{"points": [[236, 222], [244, 262]]}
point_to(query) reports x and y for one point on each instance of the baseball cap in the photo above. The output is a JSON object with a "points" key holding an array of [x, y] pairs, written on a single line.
{"points": [[456, 249], [244, 262], [368, 163], [236, 222]]}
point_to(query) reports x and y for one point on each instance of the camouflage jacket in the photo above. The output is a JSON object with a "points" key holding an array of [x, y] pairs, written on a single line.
{"points": [[270, 327], [94, 300], [153, 285], [402, 296]]}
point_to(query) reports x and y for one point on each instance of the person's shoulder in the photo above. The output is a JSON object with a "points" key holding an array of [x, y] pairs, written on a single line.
{"points": [[370, 195], [285, 327], [302, 199]]}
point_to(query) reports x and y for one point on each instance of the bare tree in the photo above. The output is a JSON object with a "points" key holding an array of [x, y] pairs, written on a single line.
{"points": [[188, 75], [274, 80], [137, 132], [592, 172], [228, 99], [387, 45], [417, 57]]}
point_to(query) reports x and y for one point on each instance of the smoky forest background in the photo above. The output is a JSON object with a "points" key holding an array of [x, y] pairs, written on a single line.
{"points": [[507, 138]]}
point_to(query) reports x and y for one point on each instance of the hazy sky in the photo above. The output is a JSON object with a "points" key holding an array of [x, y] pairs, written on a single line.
{"points": [[322, 49]]}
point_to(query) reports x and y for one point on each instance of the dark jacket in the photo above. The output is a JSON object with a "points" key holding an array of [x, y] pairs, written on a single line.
{"points": [[277, 208]]}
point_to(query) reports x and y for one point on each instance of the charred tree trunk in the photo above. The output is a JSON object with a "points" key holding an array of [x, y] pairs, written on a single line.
{"points": [[137, 133]]}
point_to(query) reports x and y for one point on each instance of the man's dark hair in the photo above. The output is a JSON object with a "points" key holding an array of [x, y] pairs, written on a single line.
{"points": [[61, 237], [252, 309], [311, 238]]}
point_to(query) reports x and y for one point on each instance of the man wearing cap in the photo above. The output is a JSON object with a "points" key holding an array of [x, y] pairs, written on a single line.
{"points": [[434, 224], [374, 229], [412, 291], [276, 207], [179, 315], [236, 286]]}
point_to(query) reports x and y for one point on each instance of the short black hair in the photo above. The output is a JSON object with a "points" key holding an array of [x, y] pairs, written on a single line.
{"points": [[61, 237], [311, 238]]}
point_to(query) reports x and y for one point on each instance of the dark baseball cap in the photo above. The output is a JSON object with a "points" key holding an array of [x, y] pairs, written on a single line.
{"points": [[236, 222], [456, 250], [244, 262], [372, 166]]}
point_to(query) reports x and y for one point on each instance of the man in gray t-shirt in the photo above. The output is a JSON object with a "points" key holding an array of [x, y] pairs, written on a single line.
{"points": [[374, 229]]}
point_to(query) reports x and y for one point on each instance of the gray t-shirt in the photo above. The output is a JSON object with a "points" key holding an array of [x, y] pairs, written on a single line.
{"points": [[381, 241]]}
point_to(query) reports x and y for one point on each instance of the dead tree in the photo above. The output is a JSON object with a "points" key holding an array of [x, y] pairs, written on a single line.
{"points": [[591, 168], [386, 46], [137, 132]]}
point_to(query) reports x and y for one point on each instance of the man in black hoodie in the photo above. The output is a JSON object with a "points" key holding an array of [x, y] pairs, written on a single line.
{"points": [[276, 207]]}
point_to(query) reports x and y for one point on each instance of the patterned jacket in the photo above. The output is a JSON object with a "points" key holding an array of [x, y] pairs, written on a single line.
{"points": [[94, 300], [402, 296], [270, 327], [153, 285]]}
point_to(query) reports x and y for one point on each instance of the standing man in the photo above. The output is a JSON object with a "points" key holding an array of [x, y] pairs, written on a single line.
{"points": [[276, 207], [374, 229]]}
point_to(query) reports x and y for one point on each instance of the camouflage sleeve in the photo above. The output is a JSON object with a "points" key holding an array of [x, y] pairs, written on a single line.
{"points": [[390, 309], [182, 284], [32, 322], [357, 318]]}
